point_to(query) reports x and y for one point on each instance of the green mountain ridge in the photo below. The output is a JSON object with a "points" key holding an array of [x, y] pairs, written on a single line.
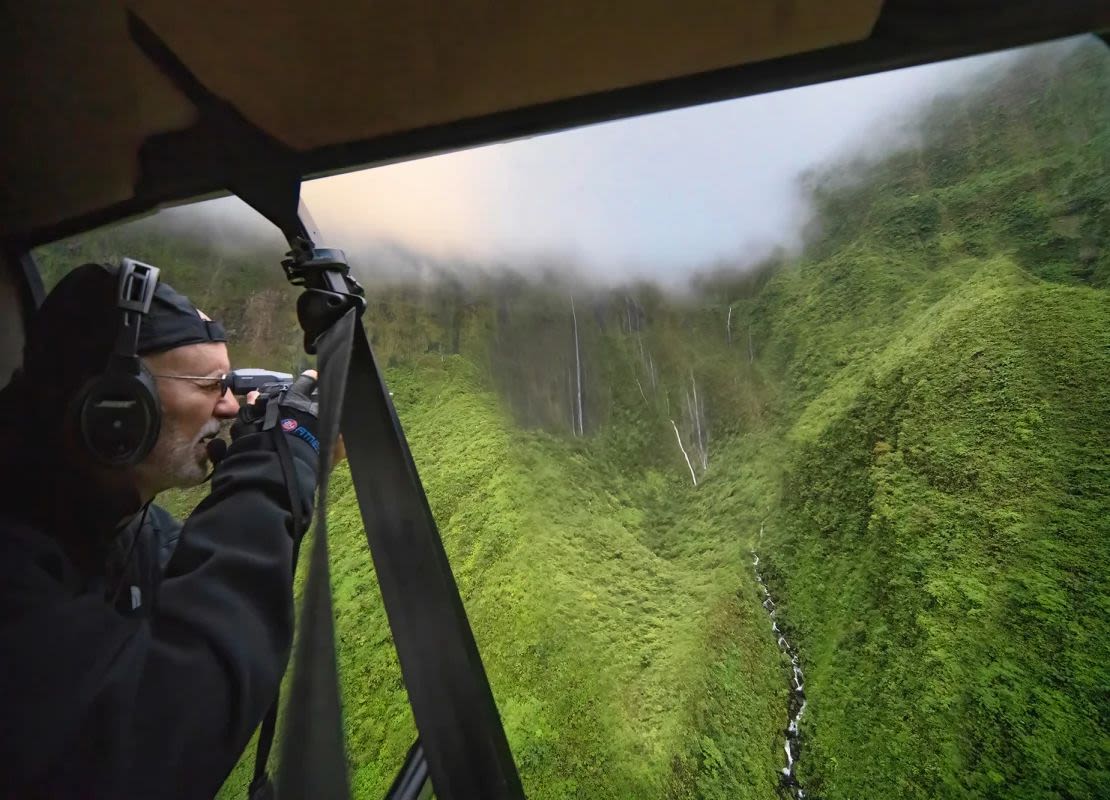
{"points": [[915, 412]]}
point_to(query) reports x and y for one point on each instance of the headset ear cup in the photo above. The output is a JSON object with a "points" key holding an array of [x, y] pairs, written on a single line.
{"points": [[119, 417]]}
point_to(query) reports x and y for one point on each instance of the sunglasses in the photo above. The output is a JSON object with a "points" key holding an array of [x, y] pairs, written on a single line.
{"points": [[239, 382], [224, 383]]}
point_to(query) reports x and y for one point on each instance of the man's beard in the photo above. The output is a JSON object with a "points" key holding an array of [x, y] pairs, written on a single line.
{"points": [[180, 459]]}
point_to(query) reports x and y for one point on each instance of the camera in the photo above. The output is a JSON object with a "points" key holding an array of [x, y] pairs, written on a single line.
{"points": [[263, 381]]}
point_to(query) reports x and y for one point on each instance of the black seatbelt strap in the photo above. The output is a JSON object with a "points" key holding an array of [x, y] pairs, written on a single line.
{"points": [[461, 734], [313, 762], [411, 782]]}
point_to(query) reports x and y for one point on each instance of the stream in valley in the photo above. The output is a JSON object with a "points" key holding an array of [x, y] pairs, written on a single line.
{"points": [[796, 701]]}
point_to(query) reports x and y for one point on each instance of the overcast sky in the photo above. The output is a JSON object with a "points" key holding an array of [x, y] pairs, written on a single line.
{"points": [[655, 196]]}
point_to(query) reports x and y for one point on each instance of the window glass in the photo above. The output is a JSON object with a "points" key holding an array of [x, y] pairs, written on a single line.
{"points": [[766, 439]]}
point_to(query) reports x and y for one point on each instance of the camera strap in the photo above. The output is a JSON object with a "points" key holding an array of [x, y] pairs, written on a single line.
{"points": [[261, 787]]}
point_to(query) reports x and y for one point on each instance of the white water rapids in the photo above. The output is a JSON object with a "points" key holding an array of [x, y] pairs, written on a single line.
{"points": [[796, 702]]}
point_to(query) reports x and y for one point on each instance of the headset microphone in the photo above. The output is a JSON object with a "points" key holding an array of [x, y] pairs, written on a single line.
{"points": [[216, 449]]}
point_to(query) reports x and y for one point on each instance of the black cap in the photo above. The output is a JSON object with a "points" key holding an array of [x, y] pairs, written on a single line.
{"points": [[72, 335], [173, 321]]}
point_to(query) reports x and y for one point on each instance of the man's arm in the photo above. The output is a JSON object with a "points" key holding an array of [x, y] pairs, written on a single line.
{"points": [[223, 621], [101, 704]]}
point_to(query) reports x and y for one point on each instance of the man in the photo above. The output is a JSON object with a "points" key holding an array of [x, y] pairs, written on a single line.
{"points": [[119, 678]]}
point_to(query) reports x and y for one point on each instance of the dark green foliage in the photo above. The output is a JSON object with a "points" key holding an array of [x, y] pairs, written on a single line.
{"points": [[594, 641], [942, 539], [942, 546], [1019, 165]]}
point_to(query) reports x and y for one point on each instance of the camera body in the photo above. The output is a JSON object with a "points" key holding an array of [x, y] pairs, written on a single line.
{"points": [[263, 381]]}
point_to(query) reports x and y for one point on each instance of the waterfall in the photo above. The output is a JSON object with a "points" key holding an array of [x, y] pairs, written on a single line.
{"points": [[570, 401], [728, 326], [693, 477], [702, 438], [796, 701], [577, 365]]}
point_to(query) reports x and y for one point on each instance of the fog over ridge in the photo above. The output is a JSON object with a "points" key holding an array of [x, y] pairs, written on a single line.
{"points": [[657, 197]]}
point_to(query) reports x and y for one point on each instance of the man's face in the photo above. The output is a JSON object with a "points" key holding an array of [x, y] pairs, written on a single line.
{"points": [[191, 414]]}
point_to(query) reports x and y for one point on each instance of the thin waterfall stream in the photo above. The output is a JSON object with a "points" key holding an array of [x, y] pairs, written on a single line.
{"points": [[796, 701]]}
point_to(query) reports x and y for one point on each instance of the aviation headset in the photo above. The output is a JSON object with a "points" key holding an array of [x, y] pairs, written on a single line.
{"points": [[117, 412]]}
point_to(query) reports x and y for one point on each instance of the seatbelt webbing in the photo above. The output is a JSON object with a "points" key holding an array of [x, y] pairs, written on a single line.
{"points": [[462, 740], [461, 734], [313, 762], [411, 782]]}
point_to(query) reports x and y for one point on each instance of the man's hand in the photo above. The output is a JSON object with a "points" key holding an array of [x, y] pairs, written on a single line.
{"points": [[297, 414], [293, 409]]}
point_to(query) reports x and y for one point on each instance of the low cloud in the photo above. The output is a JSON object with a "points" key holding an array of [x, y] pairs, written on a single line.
{"points": [[655, 197]]}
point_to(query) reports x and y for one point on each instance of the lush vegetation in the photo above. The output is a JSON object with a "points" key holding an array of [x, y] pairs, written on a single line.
{"points": [[915, 411], [942, 542]]}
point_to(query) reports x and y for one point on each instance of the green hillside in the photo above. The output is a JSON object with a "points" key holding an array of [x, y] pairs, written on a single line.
{"points": [[941, 547], [914, 411]]}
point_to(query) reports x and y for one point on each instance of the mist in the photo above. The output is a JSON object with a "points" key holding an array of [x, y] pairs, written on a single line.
{"points": [[655, 198]]}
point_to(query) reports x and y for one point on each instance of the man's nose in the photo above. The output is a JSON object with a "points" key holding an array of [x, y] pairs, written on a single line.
{"points": [[228, 406]]}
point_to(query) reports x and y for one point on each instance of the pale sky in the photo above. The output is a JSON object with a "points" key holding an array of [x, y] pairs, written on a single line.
{"points": [[654, 196]]}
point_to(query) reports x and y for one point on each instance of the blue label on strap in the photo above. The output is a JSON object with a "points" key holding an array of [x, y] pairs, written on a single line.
{"points": [[300, 431]]}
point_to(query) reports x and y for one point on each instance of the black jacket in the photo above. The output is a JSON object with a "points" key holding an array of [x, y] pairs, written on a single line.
{"points": [[123, 682]]}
